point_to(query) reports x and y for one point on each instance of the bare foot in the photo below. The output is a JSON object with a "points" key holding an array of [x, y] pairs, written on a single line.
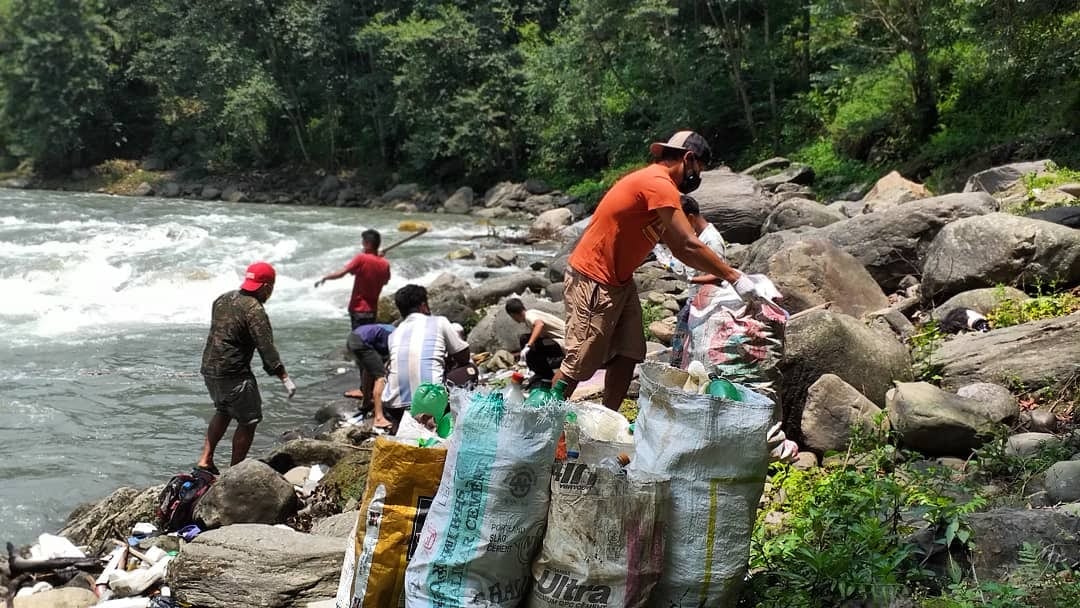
{"points": [[381, 423]]}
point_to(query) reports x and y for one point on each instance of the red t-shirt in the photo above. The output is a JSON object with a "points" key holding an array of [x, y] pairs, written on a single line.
{"points": [[625, 226], [372, 274]]}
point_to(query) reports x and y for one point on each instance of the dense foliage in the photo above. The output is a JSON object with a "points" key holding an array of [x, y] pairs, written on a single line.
{"points": [[467, 91]]}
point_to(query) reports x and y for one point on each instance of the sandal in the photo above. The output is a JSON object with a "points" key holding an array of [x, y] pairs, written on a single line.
{"points": [[213, 470], [385, 429]]}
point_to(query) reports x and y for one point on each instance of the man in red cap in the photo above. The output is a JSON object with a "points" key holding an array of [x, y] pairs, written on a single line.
{"points": [[603, 325], [238, 327]]}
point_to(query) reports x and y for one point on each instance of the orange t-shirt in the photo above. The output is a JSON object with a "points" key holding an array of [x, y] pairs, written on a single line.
{"points": [[625, 226]]}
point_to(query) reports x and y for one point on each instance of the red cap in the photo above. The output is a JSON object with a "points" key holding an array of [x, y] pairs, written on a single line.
{"points": [[517, 377], [257, 275]]}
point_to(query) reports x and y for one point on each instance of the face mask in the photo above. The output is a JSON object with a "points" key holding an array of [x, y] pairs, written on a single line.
{"points": [[690, 180]]}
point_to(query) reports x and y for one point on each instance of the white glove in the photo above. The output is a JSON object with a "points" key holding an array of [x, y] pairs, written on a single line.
{"points": [[290, 386], [786, 452], [524, 352], [744, 286]]}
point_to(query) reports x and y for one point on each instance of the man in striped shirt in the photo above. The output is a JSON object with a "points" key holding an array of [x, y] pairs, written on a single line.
{"points": [[420, 349]]}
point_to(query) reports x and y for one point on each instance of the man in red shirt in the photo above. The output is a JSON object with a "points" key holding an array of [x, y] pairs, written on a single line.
{"points": [[371, 272], [603, 325]]}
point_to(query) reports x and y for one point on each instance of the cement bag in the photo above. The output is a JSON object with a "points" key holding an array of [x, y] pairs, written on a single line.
{"points": [[401, 484], [714, 453], [487, 521], [604, 544]]}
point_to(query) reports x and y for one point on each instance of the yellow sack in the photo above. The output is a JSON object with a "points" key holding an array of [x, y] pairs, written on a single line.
{"points": [[401, 484]]}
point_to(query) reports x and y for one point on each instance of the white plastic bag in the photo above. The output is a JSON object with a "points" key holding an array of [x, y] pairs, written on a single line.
{"points": [[715, 454], [485, 526], [604, 541]]}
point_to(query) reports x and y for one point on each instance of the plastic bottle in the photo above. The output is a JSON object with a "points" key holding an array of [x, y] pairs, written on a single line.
{"points": [[187, 491], [719, 387], [538, 397], [514, 395], [572, 433], [558, 392]]}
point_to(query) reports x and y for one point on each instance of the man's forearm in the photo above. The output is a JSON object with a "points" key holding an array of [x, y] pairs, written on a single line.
{"points": [[696, 254]]}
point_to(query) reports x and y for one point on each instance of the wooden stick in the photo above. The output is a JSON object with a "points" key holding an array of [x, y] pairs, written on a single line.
{"points": [[412, 236]]}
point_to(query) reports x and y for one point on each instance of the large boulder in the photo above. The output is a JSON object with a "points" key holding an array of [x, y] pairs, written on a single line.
{"points": [[551, 223], [800, 212], [250, 492], [735, 203], [1000, 535], [796, 173], [833, 407], [256, 565], [492, 290], [305, 453], [497, 331], [401, 193], [1065, 216], [939, 423], [447, 297], [981, 300], [1026, 445], [96, 525], [66, 597], [1063, 481], [1000, 248], [460, 201], [892, 243], [820, 342], [999, 179], [1032, 355], [890, 191], [336, 526], [815, 271], [765, 167], [505, 194]]}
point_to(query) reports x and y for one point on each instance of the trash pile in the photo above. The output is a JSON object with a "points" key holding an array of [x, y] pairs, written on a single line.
{"points": [[535, 501], [54, 572]]}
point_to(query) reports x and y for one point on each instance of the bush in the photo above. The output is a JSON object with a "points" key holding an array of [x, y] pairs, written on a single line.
{"points": [[924, 344], [1043, 306], [834, 173], [872, 123]]}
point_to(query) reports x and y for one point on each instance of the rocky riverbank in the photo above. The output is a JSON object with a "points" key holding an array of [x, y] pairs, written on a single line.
{"points": [[866, 279]]}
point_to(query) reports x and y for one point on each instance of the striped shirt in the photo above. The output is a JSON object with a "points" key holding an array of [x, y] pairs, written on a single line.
{"points": [[418, 351]]}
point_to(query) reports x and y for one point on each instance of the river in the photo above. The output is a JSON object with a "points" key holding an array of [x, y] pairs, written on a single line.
{"points": [[104, 307]]}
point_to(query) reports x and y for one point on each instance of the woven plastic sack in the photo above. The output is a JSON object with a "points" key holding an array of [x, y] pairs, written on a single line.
{"points": [[401, 484], [604, 544], [487, 521], [714, 453]]}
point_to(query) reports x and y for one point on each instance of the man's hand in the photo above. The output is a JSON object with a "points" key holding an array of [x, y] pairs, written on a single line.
{"points": [[290, 386], [524, 352], [319, 283]]}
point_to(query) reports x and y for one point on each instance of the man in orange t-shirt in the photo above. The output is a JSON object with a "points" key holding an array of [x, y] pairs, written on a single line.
{"points": [[603, 325]]}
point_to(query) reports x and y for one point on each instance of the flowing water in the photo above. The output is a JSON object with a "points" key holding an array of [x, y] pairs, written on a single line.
{"points": [[104, 307]]}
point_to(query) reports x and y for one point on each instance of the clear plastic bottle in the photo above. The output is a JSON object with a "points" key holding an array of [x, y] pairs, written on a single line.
{"points": [[572, 434], [514, 396]]}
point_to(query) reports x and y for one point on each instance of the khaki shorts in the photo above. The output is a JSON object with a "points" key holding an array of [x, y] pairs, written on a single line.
{"points": [[602, 322]]}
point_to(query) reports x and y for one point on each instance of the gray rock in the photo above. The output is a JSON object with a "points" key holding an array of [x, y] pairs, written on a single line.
{"points": [[833, 407], [461, 201], [69, 597], [336, 526], [152, 163], [663, 330], [497, 331], [346, 197], [777, 163], [1033, 355], [405, 208], [1063, 481], [536, 186], [993, 400], [143, 189], [17, 183], [250, 492], [551, 223], [233, 194], [1065, 216], [554, 292], [401, 193], [735, 203], [491, 291], [501, 258], [170, 190], [1029, 444], [307, 452], [939, 423], [822, 342], [1000, 534], [794, 174], [256, 565], [538, 203], [1039, 421], [798, 213], [815, 271], [982, 300], [1072, 189], [209, 193], [297, 475], [999, 179], [96, 525], [1000, 248], [491, 213], [893, 320], [505, 194]]}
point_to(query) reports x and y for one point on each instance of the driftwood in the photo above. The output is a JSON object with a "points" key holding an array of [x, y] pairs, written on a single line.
{"points": [[21, 565]]}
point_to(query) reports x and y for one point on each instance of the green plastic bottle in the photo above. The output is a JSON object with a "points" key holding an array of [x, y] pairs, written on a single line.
{"points": [[558, 392], [723, 388]]}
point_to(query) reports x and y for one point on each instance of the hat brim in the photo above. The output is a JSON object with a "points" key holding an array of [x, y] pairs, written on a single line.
{"points": [[251, 285], [656, 149]]}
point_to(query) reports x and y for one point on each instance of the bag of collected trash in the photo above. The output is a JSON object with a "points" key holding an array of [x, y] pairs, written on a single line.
{"points": [[714, 452], [604, 544], [402, 481], [176, 502], [487, 520]]}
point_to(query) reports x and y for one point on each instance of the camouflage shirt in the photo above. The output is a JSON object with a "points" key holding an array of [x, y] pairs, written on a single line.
{"points": [[238, 327]]}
